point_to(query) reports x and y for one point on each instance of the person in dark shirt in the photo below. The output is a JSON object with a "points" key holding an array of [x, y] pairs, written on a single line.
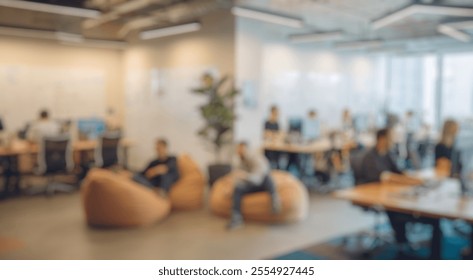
{"points": [[447, 159], [271, 133], [162, 172], [379, 165]]}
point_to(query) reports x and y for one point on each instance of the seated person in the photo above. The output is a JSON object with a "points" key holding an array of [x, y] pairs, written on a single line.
{"points": [[271, 133], [321, 167], [335, 160], [379, 165], [162, 172], [112, 123], [43, 127], [311, 127], [252, 175], [445, 155]]}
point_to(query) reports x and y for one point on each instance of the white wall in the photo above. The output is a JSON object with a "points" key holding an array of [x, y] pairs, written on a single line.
{"points": [[300, 77], [159, 76], [65, 79]]}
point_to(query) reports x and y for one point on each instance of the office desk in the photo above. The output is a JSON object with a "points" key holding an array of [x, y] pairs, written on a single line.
{"points": [[24, 148], [320, 145], [442, 202]]}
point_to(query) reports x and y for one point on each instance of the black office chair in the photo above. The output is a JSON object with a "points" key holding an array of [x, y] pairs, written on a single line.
{"points": [[55, 159], [375, 237], [107, 151]]}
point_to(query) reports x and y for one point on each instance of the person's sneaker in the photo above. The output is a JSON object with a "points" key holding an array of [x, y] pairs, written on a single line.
{"points": [[276, 206], [235, 223]]}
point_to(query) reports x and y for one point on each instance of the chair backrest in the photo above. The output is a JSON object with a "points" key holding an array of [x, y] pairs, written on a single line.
{"points": [[55, 155], [356, 163], [106, 154]]}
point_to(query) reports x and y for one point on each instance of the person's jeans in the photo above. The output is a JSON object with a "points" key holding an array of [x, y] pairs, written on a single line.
{"points": [[398, 223], [273, 158], [164, 181], [243, 188]]}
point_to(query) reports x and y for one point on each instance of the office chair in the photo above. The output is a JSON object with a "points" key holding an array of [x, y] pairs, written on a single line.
{"points": [[54, 159], [376, 236], [107, 151]]}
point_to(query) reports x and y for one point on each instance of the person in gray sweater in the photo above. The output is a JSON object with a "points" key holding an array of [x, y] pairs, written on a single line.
{"points": [[253, 174]]}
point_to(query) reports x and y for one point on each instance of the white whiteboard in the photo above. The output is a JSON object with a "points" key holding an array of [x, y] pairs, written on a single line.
{"points": [[67, 93]]}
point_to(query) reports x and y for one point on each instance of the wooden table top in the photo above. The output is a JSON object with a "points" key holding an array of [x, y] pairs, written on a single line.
{"points": [[21, 147], [443, 201], [320, 145]]}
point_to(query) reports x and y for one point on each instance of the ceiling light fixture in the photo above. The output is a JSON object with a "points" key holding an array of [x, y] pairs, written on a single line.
{"points": [[421, 9], [169, 31], [454, 33], [49, 8], [69, 37], [63, 37], [268, 17], [316, 37], [357, 45]]}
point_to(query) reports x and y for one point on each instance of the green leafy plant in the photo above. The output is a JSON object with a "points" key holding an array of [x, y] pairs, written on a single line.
{"points": [[217, 112]]}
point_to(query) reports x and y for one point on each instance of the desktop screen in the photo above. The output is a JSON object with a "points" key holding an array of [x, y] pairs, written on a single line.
{"points": [[295, 125], [91, 128]]}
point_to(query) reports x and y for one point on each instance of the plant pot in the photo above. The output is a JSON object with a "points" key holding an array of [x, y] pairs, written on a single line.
{"points": [[216, 171]]}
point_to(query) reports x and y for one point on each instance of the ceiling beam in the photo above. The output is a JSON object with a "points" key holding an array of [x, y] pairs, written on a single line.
{"points": [[118, 11], [49, 8], [61, 37]]}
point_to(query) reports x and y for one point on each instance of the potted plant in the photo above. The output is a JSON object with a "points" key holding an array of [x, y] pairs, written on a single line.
{"points": [[219, 118]]}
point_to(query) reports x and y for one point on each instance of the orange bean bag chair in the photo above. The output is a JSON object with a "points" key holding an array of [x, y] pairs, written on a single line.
{"points": [[257, 206], [188, 192], [110, 199]]}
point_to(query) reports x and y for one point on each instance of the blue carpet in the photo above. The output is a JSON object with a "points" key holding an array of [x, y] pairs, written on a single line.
{"points": [[299, 255], [452, 244]]}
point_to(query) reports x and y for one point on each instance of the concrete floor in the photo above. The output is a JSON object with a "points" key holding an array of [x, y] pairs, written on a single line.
{"points": [[54, 228]]}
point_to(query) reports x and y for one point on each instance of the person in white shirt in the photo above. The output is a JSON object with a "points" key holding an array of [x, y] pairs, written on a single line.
{"points": [[311, 129], [112, 122], [43, 127], [253, 174], [411, 125]]}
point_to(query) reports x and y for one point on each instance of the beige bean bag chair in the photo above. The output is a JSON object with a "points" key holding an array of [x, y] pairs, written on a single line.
{"points": [[257, 206], [188, 192], [110, 199]]}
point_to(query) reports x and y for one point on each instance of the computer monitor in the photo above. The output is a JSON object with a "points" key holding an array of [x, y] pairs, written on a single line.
{"points": [[91, 128], [295, 125]]}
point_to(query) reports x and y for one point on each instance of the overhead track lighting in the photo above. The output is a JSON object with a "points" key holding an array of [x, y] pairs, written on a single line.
{"points": [[49, 8], [268, 17], [316, 37], [169, 31]]}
